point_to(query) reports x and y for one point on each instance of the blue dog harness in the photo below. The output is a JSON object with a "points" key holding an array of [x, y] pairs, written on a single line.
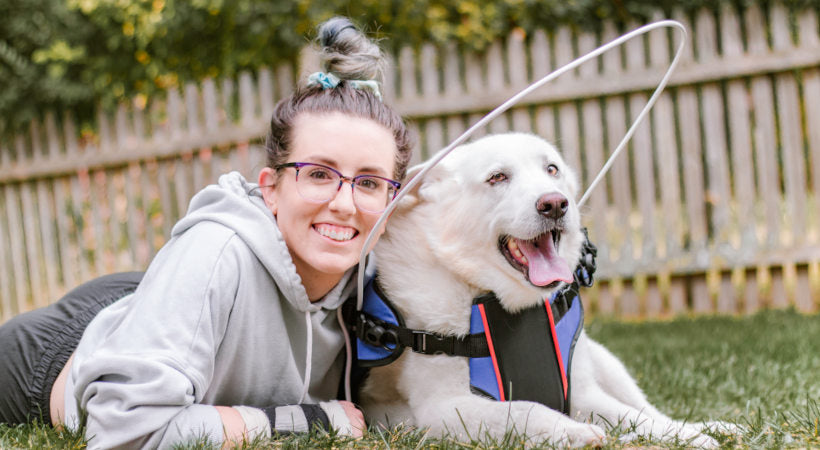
{"points": [[521, 356]]}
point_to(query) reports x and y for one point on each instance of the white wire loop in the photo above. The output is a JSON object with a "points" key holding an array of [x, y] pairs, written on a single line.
{"points": [[429, 164]]}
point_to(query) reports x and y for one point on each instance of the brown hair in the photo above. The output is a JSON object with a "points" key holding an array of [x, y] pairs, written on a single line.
{"points": [[349, 55]]}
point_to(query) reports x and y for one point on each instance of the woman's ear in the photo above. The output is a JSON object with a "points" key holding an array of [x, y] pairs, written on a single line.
{"points": [[267, 184]]}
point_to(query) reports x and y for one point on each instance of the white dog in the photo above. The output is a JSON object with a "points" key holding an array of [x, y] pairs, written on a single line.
{"points": [[498, 215]]}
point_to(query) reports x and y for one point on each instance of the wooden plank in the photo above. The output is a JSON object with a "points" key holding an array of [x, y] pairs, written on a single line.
{"points": [[52, 137], [619, 178], [791, 140], [6, 310], [718, 194], [780, 28], [102, 198], [606, 304], [174, 115], [266, 95], [768, 181], [645, 181], [705, 34], [407, 74], [429, 75], [455, 128], [740, 133], [727, 299], [99, 215], [594, 161], [587, 42], [628, 300], [33, 253], [563, 53], [247, 99], [807, 26], [210, 108], [666, 147], [701, 300], [779, 299], [226, 100], [18, 256], [451, 71], [517, 60], [521, 121], [756, 43], [802, 292], [433, 137], [540, 55], [500, 124], [811, 92], [494, 67], [693, 182], [677, 296], [78, 215], [654, 299], [192, 109], [570, 146], [284, 80], [130, 181], [751, 291], [165, 173], [68, 264]]}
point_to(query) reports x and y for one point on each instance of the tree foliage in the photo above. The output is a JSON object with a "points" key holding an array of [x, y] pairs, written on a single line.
{"points": [[78, 54]]}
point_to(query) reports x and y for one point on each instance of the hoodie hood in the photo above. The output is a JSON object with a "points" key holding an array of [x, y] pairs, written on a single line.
{"points": [[237, 204]]}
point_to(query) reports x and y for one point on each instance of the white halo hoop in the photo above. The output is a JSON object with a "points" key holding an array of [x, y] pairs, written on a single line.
{"points": [[429, 164]]}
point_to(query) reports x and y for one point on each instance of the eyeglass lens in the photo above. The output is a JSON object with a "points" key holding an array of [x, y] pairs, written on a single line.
{"points": [[320, 184]]}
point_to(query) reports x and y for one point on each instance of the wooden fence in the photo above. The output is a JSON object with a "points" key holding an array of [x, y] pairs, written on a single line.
{"points": [[716, 208]]}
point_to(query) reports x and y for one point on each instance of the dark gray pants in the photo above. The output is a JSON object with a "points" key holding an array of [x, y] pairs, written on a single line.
{"points": [[35, 346]]}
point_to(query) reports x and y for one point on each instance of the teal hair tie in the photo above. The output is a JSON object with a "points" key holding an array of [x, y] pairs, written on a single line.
{"points": [[330, 81]]}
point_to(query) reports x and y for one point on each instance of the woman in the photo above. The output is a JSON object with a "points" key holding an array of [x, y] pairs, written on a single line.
{"points": [[233, 331]]}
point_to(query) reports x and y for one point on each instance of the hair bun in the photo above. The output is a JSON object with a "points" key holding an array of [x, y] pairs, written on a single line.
{"points": [[348, 53]]}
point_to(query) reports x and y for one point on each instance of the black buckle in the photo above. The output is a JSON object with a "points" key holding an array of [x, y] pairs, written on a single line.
{"points": [[432, 343], [376, 335]]}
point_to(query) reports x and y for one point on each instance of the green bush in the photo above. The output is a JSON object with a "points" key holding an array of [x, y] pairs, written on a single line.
{"points": [[77, 54]]}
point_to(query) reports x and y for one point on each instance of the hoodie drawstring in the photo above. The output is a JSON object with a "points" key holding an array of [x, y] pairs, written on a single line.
{"points": [[348, 354], [309, 357]]}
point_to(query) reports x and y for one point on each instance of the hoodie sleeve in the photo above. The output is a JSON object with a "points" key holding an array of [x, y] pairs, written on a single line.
{"points": [[142, 383]]}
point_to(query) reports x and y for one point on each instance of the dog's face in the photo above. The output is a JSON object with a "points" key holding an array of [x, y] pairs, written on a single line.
{"points": [[501, 214]]}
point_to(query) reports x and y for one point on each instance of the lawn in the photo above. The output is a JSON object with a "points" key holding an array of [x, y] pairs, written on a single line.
{"points": [[762, 372]]}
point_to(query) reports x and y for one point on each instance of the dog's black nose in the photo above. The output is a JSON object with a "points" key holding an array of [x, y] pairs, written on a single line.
{"points": [[553, 205]]}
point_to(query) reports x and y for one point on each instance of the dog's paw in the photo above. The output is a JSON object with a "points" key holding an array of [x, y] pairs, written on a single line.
{"points": [[584, 434], [692, 436]]}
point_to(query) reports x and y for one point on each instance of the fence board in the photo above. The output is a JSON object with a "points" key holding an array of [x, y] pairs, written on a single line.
{"points": [[6, 310], [768, 183], [16, 239], [33, 254], [811, 92], [791, 141], [47, 232]]}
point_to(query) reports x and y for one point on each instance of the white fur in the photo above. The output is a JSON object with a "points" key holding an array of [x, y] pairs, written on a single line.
{"points": [[440, 250]]}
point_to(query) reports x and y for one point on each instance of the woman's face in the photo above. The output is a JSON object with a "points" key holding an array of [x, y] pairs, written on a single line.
{"points": [[326, 239]]}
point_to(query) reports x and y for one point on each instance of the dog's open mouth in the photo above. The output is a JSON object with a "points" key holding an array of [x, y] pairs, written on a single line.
{"points": [[537, 258]]}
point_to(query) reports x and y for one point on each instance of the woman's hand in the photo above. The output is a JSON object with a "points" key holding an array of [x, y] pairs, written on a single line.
{"points": [[355, 416]]}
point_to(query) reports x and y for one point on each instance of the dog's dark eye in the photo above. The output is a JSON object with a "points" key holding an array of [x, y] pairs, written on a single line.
{"points": [[552, 169], [497, 177]]}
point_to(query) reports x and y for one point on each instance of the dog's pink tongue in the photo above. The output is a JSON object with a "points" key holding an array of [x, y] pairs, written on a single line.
{"points": [[545, 266]]}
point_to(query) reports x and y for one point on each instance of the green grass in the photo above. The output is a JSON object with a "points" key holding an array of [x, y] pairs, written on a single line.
{"points": [[762, 372]]}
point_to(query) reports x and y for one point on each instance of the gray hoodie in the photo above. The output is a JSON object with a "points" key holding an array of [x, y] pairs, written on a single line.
{"points": [[220, 318]]}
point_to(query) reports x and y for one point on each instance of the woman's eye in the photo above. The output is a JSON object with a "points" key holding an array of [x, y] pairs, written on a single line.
{"points": [[497, 177], [319, 174], [368, 183], [552, 169]]}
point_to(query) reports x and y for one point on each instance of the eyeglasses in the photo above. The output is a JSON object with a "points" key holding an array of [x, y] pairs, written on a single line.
{"points": [[319, 184]]}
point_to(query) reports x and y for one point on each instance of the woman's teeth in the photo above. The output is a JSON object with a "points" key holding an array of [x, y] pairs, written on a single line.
{"points": [[335, 233], [516, 252]]}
